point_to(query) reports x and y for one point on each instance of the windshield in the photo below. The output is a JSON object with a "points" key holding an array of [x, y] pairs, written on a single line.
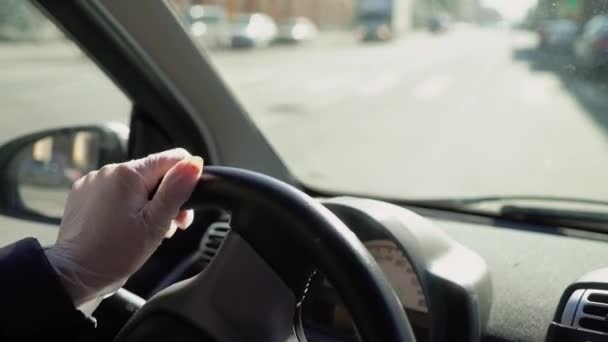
{"points": [[492, 102]]}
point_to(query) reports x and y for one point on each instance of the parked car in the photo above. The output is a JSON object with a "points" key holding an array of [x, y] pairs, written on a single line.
{"points": [[296, 30], [558, 34], [209, 25], [253, 30], [35, 173], [591, 49]]}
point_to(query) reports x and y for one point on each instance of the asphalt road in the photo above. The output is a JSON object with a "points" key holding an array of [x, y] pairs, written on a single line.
{"points": [[476, 111], [469, 113]]}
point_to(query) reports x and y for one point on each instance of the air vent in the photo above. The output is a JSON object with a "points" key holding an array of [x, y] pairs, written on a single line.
{"points": [[587, 309], [598, 298], [213, 238]]}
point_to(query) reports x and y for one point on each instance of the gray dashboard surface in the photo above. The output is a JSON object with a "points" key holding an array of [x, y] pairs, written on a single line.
{"points": [[529, 273]]}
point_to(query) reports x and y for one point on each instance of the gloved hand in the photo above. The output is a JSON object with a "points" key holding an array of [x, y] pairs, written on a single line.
{"points": [[110, 226]]}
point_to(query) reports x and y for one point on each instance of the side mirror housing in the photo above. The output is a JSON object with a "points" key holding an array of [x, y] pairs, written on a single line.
{"points": [[37, 171]]}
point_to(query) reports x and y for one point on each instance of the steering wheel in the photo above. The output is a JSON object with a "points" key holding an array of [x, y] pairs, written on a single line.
{"points": [[253, 287]]}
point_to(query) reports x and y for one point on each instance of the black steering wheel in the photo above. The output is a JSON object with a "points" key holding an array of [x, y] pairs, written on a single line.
{"points": [[254, 285]]}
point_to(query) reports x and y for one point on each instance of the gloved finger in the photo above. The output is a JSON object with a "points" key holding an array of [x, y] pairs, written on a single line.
{"points": [[184, 218], [172, 229], [173, 191], [154, 167]]}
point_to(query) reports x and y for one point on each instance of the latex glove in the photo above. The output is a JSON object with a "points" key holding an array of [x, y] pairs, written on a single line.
{"points": [[110, 226]]}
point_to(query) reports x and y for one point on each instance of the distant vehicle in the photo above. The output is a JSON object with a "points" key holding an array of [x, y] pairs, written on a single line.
{"points": [[591, 48], [381, 20], [558, 34], [438, 23], [296, 30], [253, 30], [209, 25]]}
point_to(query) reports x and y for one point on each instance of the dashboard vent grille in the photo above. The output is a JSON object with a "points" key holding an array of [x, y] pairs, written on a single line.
{"points": [[598, 298], [593, 324], [213, 238], [587, 309], [595, 310]]}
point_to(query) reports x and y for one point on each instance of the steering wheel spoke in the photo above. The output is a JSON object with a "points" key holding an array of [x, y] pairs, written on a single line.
{"points": [[238, 297]]}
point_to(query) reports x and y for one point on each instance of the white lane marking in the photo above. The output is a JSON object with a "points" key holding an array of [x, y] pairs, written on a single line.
{"points": [[379, 85], [432, 87]]}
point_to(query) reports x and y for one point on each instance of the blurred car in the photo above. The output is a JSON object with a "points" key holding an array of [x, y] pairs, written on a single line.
{"points": [[50, 174], [591, 48], [209, 25], [253, 30], [438, 23], [296, 30], [558, 34]]}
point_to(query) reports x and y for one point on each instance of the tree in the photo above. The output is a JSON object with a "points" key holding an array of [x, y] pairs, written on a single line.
{"points": [[19, 20]]}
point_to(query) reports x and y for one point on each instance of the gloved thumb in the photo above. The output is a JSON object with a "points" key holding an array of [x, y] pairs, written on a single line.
{"points": [[173, 191]]}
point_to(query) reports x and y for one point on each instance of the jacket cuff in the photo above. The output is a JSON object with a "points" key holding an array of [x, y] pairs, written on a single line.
{"points": [[35, 304]]}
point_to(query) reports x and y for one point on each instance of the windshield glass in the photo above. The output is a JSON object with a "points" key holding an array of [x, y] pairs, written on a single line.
{"points": [[449, 99]]}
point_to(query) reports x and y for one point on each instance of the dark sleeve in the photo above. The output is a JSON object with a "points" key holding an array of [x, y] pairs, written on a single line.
{"points": [[34, 306]]}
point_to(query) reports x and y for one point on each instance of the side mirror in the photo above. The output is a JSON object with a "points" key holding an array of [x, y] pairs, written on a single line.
{"points": [[37, 171]]}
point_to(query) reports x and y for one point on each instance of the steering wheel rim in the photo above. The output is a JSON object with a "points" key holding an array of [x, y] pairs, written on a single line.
{"points": [[298, 235]]}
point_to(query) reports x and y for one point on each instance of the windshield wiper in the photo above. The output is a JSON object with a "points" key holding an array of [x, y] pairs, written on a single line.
{"points": [[561, 217], [556, 211], [519, 198]]}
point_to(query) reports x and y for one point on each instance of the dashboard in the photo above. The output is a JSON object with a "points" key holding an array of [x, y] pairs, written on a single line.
{"points": [[531, 268], [459, 277]]}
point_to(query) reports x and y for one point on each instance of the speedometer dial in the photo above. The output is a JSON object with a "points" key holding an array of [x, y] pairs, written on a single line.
{"points": [[417, 259], [400, 273]]}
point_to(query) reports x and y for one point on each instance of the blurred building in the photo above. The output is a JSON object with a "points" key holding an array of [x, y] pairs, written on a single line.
{"points": [[458, 10], [591, 8], [464, 10], [579, 10], [20, 20], [489, 15], [325, 13]]}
